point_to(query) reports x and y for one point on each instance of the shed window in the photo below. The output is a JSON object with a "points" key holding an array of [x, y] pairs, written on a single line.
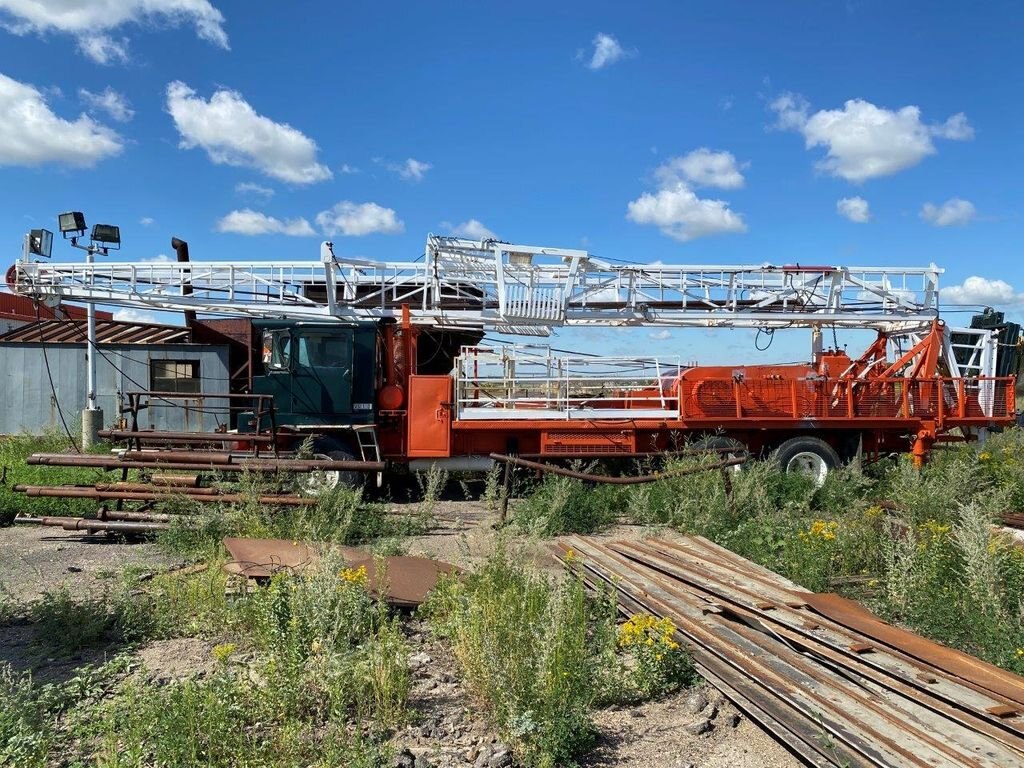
{"points": [[174, 376]]}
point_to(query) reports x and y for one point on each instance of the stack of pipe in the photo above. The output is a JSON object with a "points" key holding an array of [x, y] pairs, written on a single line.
{"points": [[832, 682]]}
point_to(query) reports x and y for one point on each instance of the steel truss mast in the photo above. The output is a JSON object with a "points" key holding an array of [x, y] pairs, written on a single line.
{"points": [[504, 287]]}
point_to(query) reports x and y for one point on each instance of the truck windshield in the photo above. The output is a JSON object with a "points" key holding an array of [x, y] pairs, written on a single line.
{"points": [[323, 350]]}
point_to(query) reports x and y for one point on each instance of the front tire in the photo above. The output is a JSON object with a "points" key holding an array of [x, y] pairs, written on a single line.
{"points": [[810, 456], [318, 481]]}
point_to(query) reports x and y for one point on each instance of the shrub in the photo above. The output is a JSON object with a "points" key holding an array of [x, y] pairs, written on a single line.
{"points": [[536, 653]]}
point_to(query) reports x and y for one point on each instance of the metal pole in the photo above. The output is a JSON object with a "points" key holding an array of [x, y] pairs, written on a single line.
{"points": [[92, 416]]}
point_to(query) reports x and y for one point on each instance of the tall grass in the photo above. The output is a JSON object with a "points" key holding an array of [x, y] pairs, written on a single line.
{"points": [[540, 655]]}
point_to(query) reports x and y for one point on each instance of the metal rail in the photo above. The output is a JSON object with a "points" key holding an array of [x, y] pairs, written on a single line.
{"points": [[887, 699]]}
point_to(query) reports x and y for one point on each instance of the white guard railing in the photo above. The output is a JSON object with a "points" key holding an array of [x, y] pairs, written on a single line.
{"points": [[526, 382]]}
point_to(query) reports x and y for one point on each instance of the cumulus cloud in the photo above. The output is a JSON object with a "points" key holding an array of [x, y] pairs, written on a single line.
{"points": [[981, 290], [136, 316], [109, 101], [855, 209], [677, 210], [91, 22], [607, 50], [147, 221], [254, 190], [472, 230], [31, 134], [358, 219], [233, 133], [410, 170], [250, 222], [703, 168], [864, 141], [953, 212]]}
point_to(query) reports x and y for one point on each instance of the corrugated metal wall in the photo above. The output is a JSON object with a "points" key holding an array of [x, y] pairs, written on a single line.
{"points": [[27, 405]]}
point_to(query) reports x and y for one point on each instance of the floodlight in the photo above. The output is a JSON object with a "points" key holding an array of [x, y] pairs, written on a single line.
{"points": [[40, 242], [107, 234], [73, 221]]}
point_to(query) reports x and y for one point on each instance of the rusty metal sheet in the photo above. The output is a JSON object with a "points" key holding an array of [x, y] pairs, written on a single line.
{"points": [[406, 580], [262, 558], [855, 616]]}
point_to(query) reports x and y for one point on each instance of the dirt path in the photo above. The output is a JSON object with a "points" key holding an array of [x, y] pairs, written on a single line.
{"points": [[695, 728], [35, 560]]}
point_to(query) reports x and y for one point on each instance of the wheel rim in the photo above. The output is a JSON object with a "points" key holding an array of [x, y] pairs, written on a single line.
{"points": [[320, 480], [810, 464]]}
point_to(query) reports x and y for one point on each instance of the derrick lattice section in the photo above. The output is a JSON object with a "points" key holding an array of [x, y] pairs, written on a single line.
{"points": [[504, 287]]}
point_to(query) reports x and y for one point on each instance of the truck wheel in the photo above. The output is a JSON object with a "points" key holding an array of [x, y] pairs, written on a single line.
{"points": [[316, 482], [809, 456]]}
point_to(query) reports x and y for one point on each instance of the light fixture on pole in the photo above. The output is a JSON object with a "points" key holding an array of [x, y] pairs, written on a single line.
{"points": [[103, 239]]}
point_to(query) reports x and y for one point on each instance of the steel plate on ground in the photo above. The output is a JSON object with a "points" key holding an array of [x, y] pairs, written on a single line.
{"points": [[406, 580], [262, 558]]}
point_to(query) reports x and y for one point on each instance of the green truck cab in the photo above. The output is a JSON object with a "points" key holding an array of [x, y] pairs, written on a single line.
{"points": [[321, 375]]}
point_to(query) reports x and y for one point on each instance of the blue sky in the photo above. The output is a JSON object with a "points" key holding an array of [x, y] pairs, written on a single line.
{"points": [[253, 130]]}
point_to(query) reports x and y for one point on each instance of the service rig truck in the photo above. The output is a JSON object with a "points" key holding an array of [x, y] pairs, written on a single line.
{"points": [[387, 361]]}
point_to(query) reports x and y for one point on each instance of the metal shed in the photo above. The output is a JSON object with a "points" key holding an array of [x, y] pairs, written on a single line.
{"points": [[132, 357]]}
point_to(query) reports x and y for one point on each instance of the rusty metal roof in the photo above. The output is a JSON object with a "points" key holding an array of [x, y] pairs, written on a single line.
{"points": [[107, 332], [14, 307]]}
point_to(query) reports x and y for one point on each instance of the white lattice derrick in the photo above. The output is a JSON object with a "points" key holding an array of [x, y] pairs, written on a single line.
{"points": [[499, 285]]}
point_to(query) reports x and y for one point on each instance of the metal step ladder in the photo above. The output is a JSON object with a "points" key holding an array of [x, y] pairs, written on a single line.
{"points": [[369, 446]]}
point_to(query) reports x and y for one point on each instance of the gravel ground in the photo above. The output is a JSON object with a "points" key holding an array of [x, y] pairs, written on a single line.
{"points": [[693, 729]]}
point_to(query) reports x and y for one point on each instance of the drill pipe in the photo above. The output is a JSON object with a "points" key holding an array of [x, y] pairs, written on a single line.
{"points": [[238, 465], [92, 526], [81, 492]]}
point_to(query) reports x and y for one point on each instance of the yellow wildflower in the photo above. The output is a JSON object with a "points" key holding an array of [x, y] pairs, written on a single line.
{"points": [[984, 456], [356, 576], [223, 651]]}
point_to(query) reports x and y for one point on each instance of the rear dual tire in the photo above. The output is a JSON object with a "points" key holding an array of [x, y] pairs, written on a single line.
{"points": [[809, 456]]}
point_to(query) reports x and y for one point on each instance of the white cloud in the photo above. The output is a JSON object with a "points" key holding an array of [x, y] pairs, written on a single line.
{"points": [[160, 258], [357, 219], [661, 335], [864, 141], [607, 51], [110, 101], [232, 133], [347, 169], [953, 212], [90, 22], [135, 316], [855, 209], [104, 49], [250, 222], [677, 210], [981, 290], [255, 190], [473, 230], [680, 214], [702, 168], [31, 134], [147, 221], [410, 170]]}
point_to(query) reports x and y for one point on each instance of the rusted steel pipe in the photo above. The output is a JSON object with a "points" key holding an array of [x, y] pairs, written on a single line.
{"points": [[80, 492], [134, 517], [239, 465], [205, 457], [168, 490], [174, 480], [587, 477], [153, 436], [92, 526]]}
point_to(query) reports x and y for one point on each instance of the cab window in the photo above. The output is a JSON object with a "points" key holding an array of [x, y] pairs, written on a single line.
{"points": [[323, 350], [277, 347]]}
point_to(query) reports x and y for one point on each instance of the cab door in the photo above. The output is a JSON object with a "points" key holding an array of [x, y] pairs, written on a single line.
{"points": [[322, 371]]}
